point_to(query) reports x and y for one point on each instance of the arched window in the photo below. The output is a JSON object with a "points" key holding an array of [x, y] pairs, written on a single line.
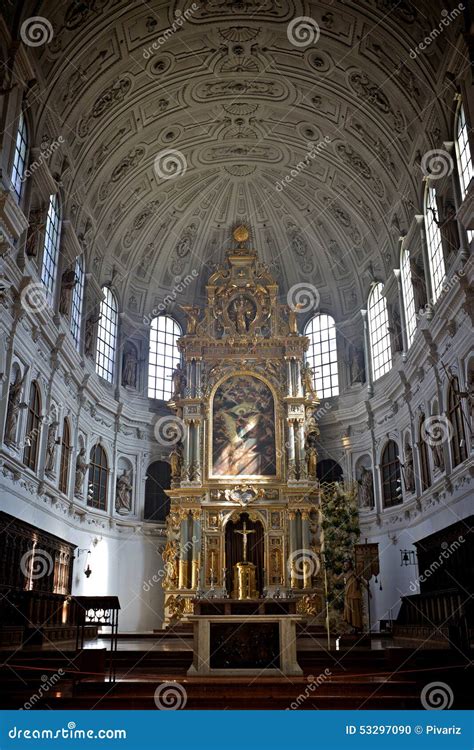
{"points": [[434, 242], [49, 268], [424, 460], [163, 357], [390, 472], [157, 503], [65, 451], [463, 157], [322, 354], [19, 157], [380, 346], [329, 470], [463, 152], [107, 336], [455, 417], [98, 474], [76, 304], [408, 296], [33, 427]]}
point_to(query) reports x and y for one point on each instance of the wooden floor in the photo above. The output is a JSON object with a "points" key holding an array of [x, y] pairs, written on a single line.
{"points": [[387, 675]]}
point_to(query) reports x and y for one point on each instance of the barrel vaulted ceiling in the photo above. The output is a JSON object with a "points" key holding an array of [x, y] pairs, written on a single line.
{"points": [[238, 92]]}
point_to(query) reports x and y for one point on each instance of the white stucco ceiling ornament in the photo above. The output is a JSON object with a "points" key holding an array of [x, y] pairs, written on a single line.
{"points": [[182, 114]]}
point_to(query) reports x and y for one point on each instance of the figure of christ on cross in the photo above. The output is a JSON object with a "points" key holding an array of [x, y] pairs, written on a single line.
{"points": [[245, 532]]}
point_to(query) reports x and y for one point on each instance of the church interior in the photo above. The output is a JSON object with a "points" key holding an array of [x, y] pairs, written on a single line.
{"points": [[236, 354]]}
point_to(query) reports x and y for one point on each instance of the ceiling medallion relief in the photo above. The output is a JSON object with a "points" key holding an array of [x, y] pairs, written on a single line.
{"points": [[265, 10]]}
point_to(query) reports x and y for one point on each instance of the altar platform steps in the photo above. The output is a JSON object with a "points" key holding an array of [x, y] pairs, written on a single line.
{"points": [[233, 693]]}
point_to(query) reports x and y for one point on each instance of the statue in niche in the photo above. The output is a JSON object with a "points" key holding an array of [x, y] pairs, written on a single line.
{"points": [[129, 366], [449, 230], [170, 560], [366, 488], [176, 460], [409, 470], [14, 405], [307, 380], [192, 313], [395, 329], [68, 282], [242, 313], [51, 444], [438, 455], [293, 318], [35, 229], [357, 365], [419, 285], [81, 468], [311, 460], [89, 334], [178, 379], [123, 496]]}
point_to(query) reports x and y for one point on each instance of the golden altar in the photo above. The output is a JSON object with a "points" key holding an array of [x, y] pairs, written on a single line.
{"points": [[243, 465]]}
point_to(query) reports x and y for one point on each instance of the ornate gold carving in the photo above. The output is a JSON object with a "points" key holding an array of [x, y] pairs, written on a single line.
{"points": [[309, 604]]}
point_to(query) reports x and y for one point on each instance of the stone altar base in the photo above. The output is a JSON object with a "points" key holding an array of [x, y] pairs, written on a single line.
{"points": [[245, 645]]}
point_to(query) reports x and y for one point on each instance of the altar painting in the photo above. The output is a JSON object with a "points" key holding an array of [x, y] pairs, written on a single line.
{"points": [[243, 441]]}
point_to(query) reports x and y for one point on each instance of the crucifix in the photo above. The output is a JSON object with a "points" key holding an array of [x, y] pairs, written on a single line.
{"points": [[245, 532]]}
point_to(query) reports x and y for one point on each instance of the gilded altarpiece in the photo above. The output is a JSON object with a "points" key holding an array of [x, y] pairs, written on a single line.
{"points": [[244, 475]]}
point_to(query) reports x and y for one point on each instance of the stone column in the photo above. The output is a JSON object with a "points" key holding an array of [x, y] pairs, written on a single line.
{"points": [[301, 452], [197, 452], [196, 556], [420, 220], [299, 384], [306, 543], [291, 450], [289, 378], [367, 357], [198, 378], [183, 552], [186, 473], [292, 548]]}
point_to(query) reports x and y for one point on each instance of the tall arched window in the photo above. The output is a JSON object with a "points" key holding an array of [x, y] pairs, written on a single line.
{"points": [[157, 502], [322, 354], [19, 157], [390, 473], [408, 296], [107, 336], [33, 426], [424, 460], [163, 357], [98, 474], [463, 157], [65, 451], [455, 416], [49, 268], [77, 299], [380, 345], [434, 242]]}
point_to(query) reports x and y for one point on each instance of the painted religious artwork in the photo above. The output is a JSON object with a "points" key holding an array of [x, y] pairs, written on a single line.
{"points": [[243, 440]]}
